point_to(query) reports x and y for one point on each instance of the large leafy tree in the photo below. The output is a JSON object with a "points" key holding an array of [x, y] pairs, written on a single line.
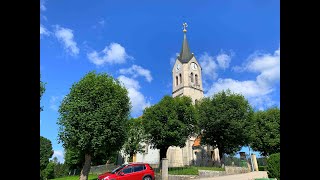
{"points": [[93, 117], [46, 152], [223, 121], [136, 137], [169, 123], [266, 131]]}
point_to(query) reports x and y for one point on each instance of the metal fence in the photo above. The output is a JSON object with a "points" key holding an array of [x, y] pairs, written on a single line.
{"points": [[102, 168]]}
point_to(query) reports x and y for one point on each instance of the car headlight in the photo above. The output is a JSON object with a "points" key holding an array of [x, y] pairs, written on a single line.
{"points": [[106, 178]]}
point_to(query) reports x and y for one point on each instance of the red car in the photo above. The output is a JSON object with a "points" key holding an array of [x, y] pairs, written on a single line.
{"points": [[132, 171]]}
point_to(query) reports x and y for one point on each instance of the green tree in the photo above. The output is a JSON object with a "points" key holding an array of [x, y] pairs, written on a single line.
{"points": [[46, 153], [273, 166], [48, 172], [42, 90], [93, 117], [169, 123], [136, 136], [223, 121], [60, 169], [266, 131], [73, 159]]}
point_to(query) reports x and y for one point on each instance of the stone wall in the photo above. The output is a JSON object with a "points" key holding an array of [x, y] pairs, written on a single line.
{"points": [[183, 177], [208, 173], [229, 170], [236, 170]]}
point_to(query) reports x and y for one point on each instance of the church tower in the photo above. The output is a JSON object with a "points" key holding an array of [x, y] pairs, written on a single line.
{"points": [[186, 73]]}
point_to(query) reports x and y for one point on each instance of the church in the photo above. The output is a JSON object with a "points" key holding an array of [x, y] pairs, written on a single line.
{"points": [[186, 81]]}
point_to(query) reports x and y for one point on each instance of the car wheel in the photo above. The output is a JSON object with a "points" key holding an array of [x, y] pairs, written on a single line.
{"points": [[147, 178]]}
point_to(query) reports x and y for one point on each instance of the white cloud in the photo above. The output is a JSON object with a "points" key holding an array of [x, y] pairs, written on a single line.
{"points": [[43, 30], [129, 83], [138, 101], [66, 37], [59, 154], [101, 22], [55, 102], [257, 91], [247, 88], [112, 54], [42, 6], [223, 60], [136, 71], [209, 66]]}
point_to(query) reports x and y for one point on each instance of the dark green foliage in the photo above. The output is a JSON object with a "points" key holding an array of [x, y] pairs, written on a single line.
{"points": [[48, 172], [273, 166], [170, 122], [224, 120], [262, 168], [93, 116], [136, 136], [73, 159], [46, 152], [266, 131]]}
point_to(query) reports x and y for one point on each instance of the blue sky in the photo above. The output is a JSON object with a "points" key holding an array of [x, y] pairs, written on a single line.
{"points": [[237, 43]]}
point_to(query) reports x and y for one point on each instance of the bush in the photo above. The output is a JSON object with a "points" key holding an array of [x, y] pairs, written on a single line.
{"points": [[262, 168], [273, 166]]}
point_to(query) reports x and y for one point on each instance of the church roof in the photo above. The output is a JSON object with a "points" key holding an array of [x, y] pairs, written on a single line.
{"points": [[185, 54]]}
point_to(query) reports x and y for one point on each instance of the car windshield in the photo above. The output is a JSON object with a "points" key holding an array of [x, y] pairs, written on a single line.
{"points": [[118, 168]]}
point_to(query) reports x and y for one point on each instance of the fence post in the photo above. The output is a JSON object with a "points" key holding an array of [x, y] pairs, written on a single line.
{"points": [[254, 160], [164, 169]]}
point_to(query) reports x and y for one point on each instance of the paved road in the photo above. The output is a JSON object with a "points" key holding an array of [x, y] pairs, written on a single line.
{"points": [[244, 176]]}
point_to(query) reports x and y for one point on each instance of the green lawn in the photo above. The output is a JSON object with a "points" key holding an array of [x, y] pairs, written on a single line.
{"points": [[91, 177], [191, 170]]}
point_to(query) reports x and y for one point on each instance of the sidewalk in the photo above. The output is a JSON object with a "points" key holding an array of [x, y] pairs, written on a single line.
{"points": [[245, 176]]}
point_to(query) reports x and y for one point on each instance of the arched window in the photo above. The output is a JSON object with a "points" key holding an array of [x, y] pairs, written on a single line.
{"points": [[176, 80], [191, 77], [196, 78], [180, 78]]}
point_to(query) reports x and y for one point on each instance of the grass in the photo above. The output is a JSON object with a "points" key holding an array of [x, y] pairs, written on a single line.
{"points": [[192, 170], [91, 177]]}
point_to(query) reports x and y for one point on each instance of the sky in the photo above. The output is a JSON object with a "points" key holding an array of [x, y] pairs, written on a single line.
{"points": [[237, 44]]}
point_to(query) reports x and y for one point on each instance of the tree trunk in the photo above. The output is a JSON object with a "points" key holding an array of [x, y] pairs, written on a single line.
{"points": [[163, 154], [221, 158], [86, 168], [131, 156]]}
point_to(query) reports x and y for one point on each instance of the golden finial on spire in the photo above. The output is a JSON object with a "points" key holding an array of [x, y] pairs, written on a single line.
{"points": [[184, 27]]}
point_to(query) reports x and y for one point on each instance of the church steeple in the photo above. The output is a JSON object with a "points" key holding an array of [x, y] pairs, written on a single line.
{"points": [[185, 54]]}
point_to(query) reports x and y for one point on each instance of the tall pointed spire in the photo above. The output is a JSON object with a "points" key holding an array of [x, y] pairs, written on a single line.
{"points": [[185, 54]]}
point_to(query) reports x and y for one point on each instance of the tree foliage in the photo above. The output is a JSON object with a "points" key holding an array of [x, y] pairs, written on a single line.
{"points": [[266, 131], [48, 172], [93, 117], [223, 121], [74, 158], [46, 152], [273, 166], [169, 123], [136, 136]]}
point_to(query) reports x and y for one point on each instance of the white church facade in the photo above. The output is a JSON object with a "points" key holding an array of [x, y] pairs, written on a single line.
{"points": [[186, 81]]}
